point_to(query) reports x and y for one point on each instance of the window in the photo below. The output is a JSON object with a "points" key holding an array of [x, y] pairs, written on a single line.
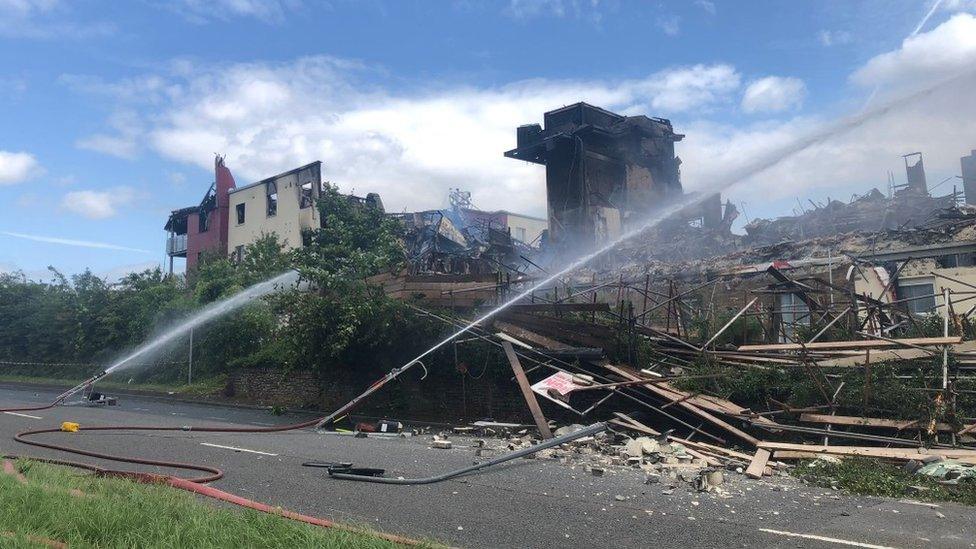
{"points": [[240, 214], [793, 313], [306, 199], [239, 253], [520, 233], [923, 302], [204, 221], [272, 190]]}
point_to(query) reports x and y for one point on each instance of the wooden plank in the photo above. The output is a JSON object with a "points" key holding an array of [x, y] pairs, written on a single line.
{"points": [[686, 405], [795, 454], [968, 456], [559, 307], [530, 336], [869, 422], [526, 387], [758, 464], [857, 344]]}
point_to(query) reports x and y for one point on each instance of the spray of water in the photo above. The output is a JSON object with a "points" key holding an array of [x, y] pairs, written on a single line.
{"points": [[753, 167], [209, 313]]}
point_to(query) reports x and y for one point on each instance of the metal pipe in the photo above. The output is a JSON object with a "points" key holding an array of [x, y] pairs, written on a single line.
{"points": [[729, 323]]}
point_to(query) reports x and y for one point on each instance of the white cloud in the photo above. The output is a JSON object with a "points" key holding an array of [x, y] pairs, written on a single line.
{"points": [[123, 143], [98, 204], [203, 11], [858, 159], [834, 38], [669, 24], [706, 5], [531, 9], [410, 146], [947, 49], [43, 19], [16, 167], [73, 242], [177, 179], [958, 5], [773, 94]]}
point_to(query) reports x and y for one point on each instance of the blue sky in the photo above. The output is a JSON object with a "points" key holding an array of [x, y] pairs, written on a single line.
{"points": [[112, 111]]}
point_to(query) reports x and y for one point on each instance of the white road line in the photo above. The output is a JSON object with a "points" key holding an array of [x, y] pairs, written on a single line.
{"points": [[23, 415], [826, 539], [237, 449]]}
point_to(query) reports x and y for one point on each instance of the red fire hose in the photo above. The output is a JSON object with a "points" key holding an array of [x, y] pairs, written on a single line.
{"points": [[194, 485], [211, 492]]}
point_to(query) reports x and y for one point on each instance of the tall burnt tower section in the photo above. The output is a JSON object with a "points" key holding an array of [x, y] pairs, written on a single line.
{"points": [[604, 171]]}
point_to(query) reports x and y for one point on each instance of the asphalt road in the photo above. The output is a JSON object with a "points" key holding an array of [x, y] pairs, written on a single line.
{"points": [[527, 503]]}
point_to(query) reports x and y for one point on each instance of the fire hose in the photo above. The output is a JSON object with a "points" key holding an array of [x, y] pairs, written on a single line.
{"points": [[210, 473]]}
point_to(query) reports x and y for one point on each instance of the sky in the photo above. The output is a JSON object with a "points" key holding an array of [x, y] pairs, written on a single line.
{"points": [[112, 112]]}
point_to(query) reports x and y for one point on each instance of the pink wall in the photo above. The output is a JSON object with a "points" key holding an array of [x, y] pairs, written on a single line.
{"points": [[214, 239]]}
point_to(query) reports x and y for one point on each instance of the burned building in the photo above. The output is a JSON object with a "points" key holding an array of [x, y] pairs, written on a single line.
{"points": [[603, 170], [969, 177], [283, 205], [196, 230], [908, 206]]}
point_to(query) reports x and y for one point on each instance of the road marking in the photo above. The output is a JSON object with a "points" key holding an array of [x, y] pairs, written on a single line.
{"points": [[215, 417], [237, 449], [825, 538], [23, 415]]}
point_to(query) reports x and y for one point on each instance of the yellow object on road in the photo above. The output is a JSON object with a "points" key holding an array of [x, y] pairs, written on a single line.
{"points": [[70, 427]]}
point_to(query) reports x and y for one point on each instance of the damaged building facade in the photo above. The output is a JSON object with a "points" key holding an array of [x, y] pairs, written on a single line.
{"points": [[605, 172], [230, 217]]}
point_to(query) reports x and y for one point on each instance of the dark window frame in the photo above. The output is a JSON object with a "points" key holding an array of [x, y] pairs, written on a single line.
{"points": [[271, 197]]}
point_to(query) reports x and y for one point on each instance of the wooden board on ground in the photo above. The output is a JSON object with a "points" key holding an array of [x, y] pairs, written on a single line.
{"points": [[904, 454], [758, 464], [686, 404]]}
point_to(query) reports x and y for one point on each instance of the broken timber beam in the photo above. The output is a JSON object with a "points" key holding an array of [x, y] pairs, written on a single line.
{"points": [[668, 395], [800, 289], [523, 382], [899, 424], [856, 344], [530, 336]]}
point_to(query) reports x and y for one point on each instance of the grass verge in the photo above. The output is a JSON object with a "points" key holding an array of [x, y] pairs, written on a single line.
{"points": [[875, 478], [120, 513]]}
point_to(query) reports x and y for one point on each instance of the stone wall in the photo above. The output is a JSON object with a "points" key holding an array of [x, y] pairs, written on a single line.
{"points": [[442, 397], [271, 387]]}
